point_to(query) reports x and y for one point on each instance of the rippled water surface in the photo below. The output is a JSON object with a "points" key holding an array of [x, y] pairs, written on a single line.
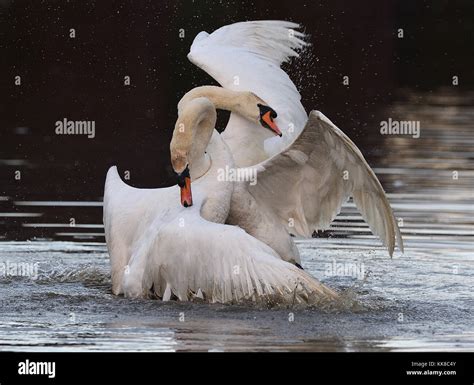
{"points": [[419, 300]]}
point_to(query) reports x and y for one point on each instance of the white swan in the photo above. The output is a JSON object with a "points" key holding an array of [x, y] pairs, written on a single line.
{"points": [[305, 176], [246, 56], [159, 247]]}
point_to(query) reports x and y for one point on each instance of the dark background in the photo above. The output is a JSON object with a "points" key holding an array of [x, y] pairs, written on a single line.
{"points": [[82, 78]]}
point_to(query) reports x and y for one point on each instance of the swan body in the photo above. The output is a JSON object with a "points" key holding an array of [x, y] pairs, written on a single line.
{"points": [[158, 247], [305, 176], [231, 241]]}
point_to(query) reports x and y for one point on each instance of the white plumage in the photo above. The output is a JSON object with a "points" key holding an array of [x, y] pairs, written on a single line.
{"points": [[159, 247], [247, 57], [305, 179], [311, 180]]}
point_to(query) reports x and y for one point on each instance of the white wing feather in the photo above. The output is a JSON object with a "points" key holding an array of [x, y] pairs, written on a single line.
{"points": [[306, 183], [129, 211], [274, 40], [247, 57], [156, 243], [220, 262]]}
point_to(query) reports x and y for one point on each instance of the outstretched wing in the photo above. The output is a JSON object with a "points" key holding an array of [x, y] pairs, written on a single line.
{"points": [[247, 56], [217, 263], [307, 183]]}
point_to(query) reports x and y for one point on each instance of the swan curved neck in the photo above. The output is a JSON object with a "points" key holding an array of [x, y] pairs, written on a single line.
{"points": [[191, 136], [240, 102], [194, 133]]}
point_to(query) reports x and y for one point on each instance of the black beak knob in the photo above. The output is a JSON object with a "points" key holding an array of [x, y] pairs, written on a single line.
{"points": [[181, 176]]}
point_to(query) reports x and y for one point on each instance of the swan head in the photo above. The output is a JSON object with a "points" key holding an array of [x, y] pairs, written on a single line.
{"points": [[259, 112], [184, 183], [266, 118], [180, 164]]}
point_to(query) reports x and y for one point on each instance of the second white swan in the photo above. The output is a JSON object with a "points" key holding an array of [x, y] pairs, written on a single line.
{"points": [[159, 247]]}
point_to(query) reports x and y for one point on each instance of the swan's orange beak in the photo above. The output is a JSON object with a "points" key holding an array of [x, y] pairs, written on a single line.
{"points": [[186, 195], [270, 123], [184, 183], [267, 114]]}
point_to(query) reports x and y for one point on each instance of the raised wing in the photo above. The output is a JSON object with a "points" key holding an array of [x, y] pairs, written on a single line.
{"points": [[247, 57], [307, 183], [274, 40]]}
